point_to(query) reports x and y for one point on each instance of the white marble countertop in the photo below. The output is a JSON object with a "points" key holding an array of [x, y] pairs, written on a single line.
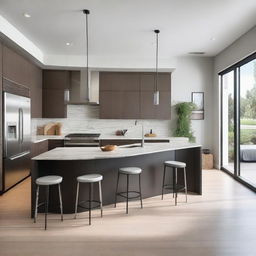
{"points": [[91, 153], [40, 138]]}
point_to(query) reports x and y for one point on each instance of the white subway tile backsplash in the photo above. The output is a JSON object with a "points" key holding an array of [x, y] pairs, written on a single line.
{"points": [[84, 118]]}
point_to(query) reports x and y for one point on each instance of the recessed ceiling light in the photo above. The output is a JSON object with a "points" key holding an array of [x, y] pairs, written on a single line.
{"points": [[68, 44], [26, 15], [212, 38]]}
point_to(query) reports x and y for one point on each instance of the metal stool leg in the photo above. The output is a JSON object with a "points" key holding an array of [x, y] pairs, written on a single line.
{"points": [[173, 182], [163, 182], [117, 187], [46, 206], [100, 194], [90, 203], [127, 194], [36, 206], [185, 182], [175, 185], [77, 194], [141, 205], [61, 205]]}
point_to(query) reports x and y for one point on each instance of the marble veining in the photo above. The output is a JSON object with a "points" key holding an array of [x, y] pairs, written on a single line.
{"points": [[91, 153], [82, 118]]}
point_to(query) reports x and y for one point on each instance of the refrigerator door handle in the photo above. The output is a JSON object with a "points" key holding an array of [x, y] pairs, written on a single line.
{"points": [[19, 155], [20, 125]]}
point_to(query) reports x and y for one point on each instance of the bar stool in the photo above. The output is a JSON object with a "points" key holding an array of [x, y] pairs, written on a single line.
{"points": [[129, 171], [89, 178], [175, 187], [47, 181]]}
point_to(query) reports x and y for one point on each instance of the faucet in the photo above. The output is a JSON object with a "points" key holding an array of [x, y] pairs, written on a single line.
{"points": [[142, 133]]}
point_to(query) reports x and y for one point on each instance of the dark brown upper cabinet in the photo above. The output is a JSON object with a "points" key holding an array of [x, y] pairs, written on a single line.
{"points": [[21, 71], [55, 84], [119, 81], [129, 95], [56, 79]]}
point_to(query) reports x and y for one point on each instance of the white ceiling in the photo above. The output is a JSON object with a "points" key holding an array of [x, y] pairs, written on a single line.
{"points": [[122, 30]]}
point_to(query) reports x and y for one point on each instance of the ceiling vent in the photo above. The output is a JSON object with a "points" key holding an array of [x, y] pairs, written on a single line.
{"points": [[196, 53]]}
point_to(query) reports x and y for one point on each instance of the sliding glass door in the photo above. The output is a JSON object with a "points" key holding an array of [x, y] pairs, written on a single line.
{"points": [[228, 121], [238, 126], [248, 122]]}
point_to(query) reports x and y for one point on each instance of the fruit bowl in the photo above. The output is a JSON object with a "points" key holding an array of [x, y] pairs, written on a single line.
{"points": [[108, 148]]}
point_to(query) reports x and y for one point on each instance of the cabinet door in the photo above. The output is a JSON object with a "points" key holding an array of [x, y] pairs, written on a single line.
{"points": [[56, 79], [24, 73], [147, 82], [147, 108], [110, 105], [119, 81], [164, 82], [36, 93], [55, 143], [130, 105], [15, 67], [39, 148], [163, 110], [105, 81], [54, 104]]}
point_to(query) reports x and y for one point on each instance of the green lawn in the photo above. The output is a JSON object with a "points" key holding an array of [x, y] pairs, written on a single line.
{"points": [[246, 137], [248, 121]]}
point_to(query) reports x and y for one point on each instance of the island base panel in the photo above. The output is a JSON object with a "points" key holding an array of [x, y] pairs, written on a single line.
{"points": [[151, 179]]}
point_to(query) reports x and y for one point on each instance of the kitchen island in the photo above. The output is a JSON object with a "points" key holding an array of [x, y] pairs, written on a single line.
{"points": [[71, 162]]}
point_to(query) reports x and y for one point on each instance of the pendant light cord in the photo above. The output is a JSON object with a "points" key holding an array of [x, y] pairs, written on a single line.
{"points": [[86, 12]]}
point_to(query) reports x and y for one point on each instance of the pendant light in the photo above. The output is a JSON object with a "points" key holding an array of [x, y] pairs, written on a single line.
{"points": [[156, 91], [87, 12]]}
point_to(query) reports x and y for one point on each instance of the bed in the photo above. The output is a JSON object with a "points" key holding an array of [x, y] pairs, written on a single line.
{"points": [[248, 153]]}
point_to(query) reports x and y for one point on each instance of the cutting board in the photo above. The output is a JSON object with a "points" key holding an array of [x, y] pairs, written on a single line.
{"points": [[49, 129]]}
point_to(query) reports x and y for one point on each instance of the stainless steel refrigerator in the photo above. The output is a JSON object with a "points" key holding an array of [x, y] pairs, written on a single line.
{"points": [[17, 140]]}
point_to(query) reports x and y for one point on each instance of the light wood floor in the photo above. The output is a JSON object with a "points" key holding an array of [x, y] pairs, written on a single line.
{"points": [[221, 222]]}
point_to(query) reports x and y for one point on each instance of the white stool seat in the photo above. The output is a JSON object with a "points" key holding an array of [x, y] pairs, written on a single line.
{"points": [[175, 164], [89, 178], [49, 180], [130, 170]]}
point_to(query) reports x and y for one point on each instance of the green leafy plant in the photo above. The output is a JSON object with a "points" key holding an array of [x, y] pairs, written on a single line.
{"points": [[184, 111]]}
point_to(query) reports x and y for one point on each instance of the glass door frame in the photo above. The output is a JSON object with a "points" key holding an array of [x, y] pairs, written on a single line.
{"points": [[236, 69]]}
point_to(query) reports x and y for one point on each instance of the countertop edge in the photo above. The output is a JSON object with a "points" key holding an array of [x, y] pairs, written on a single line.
{"points": [[130, 154]]}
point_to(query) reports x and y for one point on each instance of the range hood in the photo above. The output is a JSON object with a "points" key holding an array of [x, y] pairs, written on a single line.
{"points": [[79, 92], [85, 91], [89, 91]]}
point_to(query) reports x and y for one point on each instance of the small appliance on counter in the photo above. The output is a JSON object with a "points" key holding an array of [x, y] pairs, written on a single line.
{"points": [[150, 134], [121, 132], [82, 140], [17, 140]]}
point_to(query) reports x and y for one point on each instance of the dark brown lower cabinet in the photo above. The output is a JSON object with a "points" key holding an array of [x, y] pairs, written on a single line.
{"points": [[55, 144], [39, 148], [45, 145]]}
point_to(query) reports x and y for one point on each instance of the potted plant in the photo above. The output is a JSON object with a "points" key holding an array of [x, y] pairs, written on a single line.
{"points": [[184, 111]]}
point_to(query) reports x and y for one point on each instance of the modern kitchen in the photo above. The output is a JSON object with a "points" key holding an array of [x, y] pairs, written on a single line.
{"points": [[113, 131]]}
